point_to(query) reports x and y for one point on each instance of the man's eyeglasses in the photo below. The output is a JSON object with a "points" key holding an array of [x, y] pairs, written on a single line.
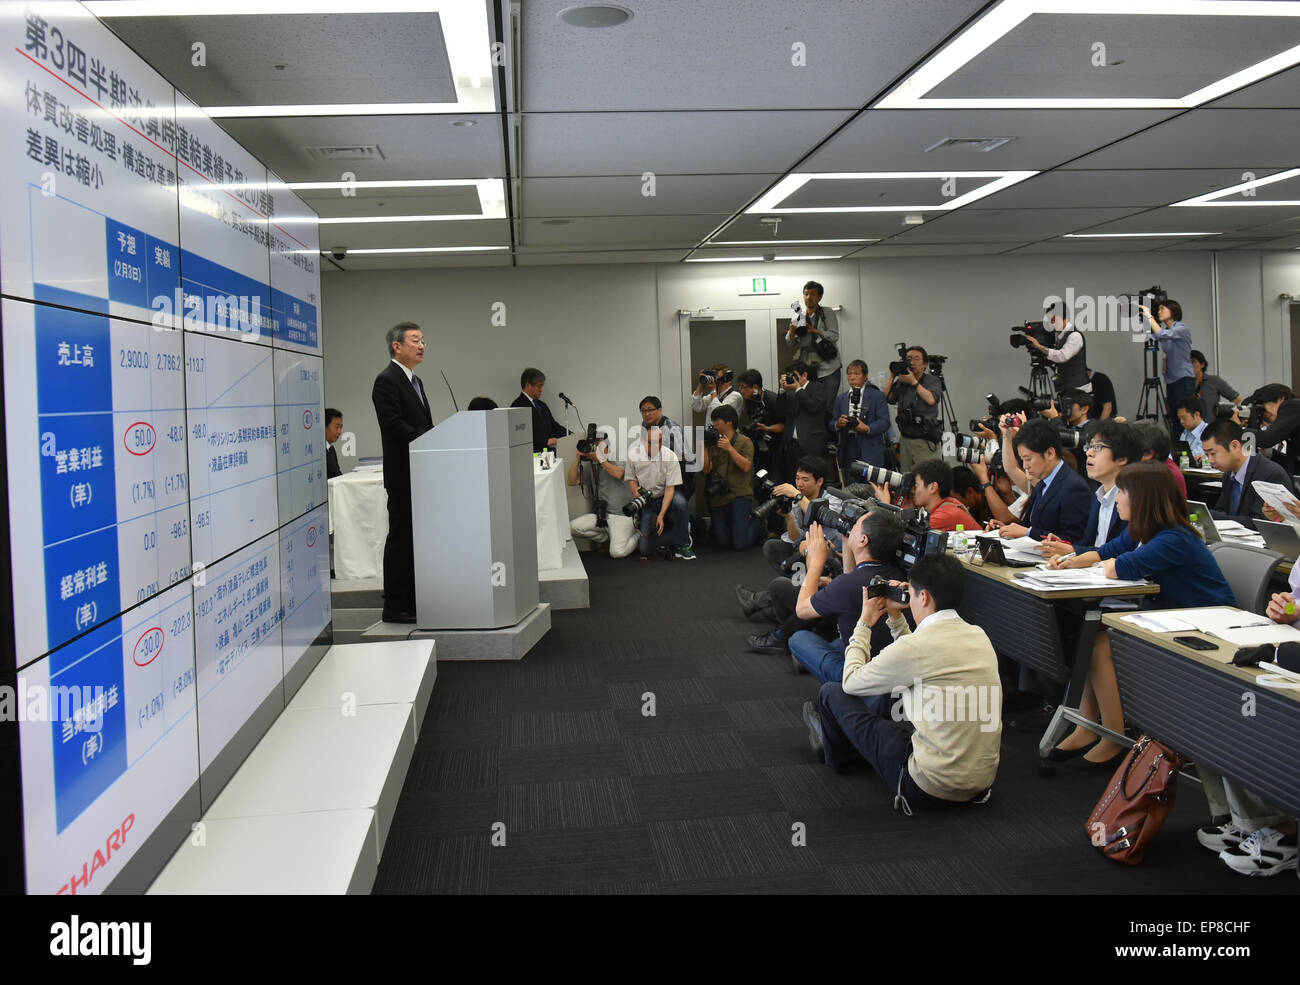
{"points": [[1095, 446]]}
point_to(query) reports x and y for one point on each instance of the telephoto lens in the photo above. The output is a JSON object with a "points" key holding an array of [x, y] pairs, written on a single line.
{"points": [[876, 474], [841, 519], [635, 507], [968, 441], [968, 455]]}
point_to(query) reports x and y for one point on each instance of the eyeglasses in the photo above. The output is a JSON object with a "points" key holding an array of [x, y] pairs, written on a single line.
{"points": [[1094, 446]]}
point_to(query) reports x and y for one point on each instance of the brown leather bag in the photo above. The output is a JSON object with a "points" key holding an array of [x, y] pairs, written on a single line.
{"points": [[1136, 802]]}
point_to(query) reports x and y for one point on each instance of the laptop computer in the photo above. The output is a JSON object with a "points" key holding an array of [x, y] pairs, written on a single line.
{"points": [[1206, 520], [1281, 537], [992, 552]]}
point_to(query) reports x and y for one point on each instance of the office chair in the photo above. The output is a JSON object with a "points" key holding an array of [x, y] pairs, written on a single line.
{"points": [[1248, 570]]}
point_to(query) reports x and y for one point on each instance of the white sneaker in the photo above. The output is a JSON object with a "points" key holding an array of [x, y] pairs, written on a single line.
{"points": [[1265, 852], [1218, 837]]}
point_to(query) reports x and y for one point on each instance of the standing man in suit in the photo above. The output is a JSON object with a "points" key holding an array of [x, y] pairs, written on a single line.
{"points": [[804, 407], [546, 432], [404, 415], [1061, 500], [333, 429], [1238, 500]]}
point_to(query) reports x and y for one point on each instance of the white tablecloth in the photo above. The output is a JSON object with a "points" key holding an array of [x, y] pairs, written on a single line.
{"points": [[359, 521]]}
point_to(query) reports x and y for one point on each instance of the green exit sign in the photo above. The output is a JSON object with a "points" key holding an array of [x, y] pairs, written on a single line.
{"points": [[756, 285]]}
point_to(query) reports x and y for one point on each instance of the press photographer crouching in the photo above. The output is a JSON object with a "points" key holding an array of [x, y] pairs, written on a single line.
{"points": [[926, 711], [601, 479], [654, 475], [792, 502], [728, 458]]}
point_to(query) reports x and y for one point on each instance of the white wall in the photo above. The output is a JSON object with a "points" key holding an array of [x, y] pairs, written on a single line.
{"points": [[609, 334]]}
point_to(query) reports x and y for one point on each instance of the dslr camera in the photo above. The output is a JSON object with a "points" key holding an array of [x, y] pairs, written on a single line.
{"points": [[841, 519], [880, 588], [799, 320], [637, 505], [711, 436], [588, 444], [780, 504], [901, 365], [968, 455]]}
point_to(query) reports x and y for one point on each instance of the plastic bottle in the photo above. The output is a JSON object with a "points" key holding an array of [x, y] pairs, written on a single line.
{"points": [[1183, 461], [961, 543], [1195, 520]]}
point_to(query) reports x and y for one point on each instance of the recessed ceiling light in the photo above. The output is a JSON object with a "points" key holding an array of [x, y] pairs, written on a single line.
{"points": [[462, 123], [1212, 198], [595, 15], [790, 184], [913, 220], [1002, 19], [491, 198]]}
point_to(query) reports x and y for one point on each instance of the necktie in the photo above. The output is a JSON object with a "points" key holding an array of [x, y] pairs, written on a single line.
{"points": [[1235, 499], [419, 390]]}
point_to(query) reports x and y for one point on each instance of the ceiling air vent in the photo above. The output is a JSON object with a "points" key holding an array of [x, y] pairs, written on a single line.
{"points": [[979, 145], [350, 152]]}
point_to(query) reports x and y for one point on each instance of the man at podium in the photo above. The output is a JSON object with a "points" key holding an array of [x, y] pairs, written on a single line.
{"points": [[404, 415], [546, 432]]}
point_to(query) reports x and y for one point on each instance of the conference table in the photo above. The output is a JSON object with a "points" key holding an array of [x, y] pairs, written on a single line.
{"points": [[1241, 722], [359, 520]]}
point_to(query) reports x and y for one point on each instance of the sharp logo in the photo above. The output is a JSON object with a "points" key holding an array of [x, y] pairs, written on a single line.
{"points": [[96, 939], [520, 427], [113, 843]]}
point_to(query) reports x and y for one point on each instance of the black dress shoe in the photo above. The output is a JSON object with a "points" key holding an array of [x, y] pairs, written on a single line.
{"points": [[1086, 765], [1058, 755], [1033, 720], [769, 643], [408, 617]]}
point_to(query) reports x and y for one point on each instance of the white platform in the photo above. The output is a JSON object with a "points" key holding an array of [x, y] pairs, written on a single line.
{"points": [[566, 586], [309, 810]]}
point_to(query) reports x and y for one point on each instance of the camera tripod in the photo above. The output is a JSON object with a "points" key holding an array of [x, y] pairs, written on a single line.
{"points": [[946, 409], [1040, 381], [1151, 385]]}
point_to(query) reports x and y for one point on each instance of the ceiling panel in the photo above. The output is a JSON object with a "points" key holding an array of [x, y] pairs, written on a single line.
{"points": [[896, 140], [899, 249], [830, 225], [1086, 246], [528, 259], [594, 232], [485, 232], [419, 261], [412, 146], [1008, 225], [564, 144], [457, 200], [1276, 92], [1213, 243], [729, 55], [1256, 221], [1208, 138], [625, 195], [324, 58], [1137, 189]]}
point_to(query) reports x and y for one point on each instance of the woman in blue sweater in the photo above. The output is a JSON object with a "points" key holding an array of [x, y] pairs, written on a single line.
{"points": [[1159, 543]]}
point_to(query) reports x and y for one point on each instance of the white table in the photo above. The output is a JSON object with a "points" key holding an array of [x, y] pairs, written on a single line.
{"points": [[359, 520]]}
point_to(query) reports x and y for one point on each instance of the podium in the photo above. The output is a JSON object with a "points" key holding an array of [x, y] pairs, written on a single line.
{"points": [[474, 521]]}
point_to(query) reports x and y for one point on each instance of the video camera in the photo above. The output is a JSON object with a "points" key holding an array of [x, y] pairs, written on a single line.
{"points": [[880, 588], [1151, 298], [1036, 330]]}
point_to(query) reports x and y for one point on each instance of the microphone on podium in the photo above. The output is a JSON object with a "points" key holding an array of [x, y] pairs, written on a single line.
{"points": [[567, 401]]}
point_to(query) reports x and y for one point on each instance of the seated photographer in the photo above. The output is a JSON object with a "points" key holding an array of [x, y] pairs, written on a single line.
{"points": [[882, 712], [861, 419], [714, 389], [804, 407], [1224, 450], [1113, 445], [1279, 412], [1060, 501], [809, 481], [1156, 445], [1002, 500], [760, 421], [1188, 412], [814, 334], [607, 496], [870, 551], [932, 492], [654, 475], [728, 458], [916, 392], [1159, 543]]}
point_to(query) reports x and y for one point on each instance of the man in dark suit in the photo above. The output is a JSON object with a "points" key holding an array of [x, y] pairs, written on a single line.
{"points": [[546, 432], [404, 415], [1238, 500], [804, 406], [1281, 415], [333, 429], [1061, 500], [1112, 446]]}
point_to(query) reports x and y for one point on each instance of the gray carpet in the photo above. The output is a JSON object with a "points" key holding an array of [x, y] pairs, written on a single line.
{"points": [[718, 791]]}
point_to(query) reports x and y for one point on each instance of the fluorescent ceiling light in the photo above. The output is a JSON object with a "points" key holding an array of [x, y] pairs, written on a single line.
{"points": [[783, 242], [464, 30], [787, 186], [424, 249], [1210, 198], [758, 259], [491, 199], [1006, 16], [1133, 235]]}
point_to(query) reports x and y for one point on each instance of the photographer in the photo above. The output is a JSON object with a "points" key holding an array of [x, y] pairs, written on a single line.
{"points": [[1279, 412], [1175, 341], [602, 483], [1068, 352], [815, 334], [880, 713], [652, 413], [870, 551], [1211, 389], [916, 393], [1002, 500], [932, 492], [1103, 396], [809, 481], [1072, 422], [728, 459], [804, 407], [760, 421], [861, 418], [714, 389], [654, 472]]}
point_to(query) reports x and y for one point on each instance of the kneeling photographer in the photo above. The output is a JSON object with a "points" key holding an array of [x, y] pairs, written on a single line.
{"points": [[654, 476], [601, 479], [792, 502], [728, 458], [926, 711]]}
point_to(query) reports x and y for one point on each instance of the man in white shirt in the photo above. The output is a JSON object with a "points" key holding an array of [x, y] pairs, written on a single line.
{"points": [[653, 470], [942, 679], [1067, 353], [1189, 416], [714, 390]]}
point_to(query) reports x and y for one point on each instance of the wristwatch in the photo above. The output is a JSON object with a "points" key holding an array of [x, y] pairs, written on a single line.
{"points": [[985, 485]]}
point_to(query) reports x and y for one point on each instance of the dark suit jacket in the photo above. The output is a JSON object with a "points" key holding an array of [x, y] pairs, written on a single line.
{"points": [[1251, 506], [544, 426], [331, 463], [806, 410], [1285, 428], [403, 417], [1117, 526], [1062, 510]]}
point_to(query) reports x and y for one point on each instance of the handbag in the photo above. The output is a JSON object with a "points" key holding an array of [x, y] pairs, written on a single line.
{"points": [[1137, 800]]}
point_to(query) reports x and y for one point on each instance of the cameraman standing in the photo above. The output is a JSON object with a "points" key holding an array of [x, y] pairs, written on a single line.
{"points": [[760, 421], [862, 419], [815, 334], [1068, 352], [714, 389], [804, 407], [1175, 340], [602, 483], [728, 459], [916, 392]]}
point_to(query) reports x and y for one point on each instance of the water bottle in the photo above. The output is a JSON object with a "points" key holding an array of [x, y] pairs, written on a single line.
{"points": [[1183, 461], [1195, 520], [961, 543]]}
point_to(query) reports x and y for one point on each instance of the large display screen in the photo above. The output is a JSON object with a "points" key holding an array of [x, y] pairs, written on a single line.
{"points": [[163, 441]]}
